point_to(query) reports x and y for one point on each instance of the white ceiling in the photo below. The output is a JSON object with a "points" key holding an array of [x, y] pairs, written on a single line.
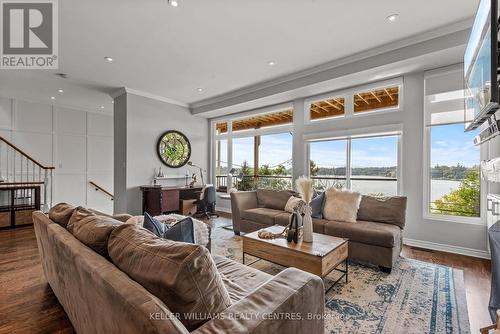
{"points": [[218, 45]]}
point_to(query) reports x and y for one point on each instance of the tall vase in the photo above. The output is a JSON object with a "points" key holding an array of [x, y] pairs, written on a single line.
{"points": [[307, 227]]}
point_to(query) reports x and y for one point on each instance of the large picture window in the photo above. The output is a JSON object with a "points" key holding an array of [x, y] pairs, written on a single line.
{"points": [[258, 152], [368, 165], [452, 190]]}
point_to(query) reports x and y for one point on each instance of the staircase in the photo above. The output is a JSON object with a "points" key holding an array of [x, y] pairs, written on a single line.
{"points": [[25, 185]]}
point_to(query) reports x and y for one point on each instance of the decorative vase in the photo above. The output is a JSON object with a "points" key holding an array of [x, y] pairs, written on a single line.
{"points": [[307, 227]]}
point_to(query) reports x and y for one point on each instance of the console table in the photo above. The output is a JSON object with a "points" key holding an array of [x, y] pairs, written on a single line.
{"points": [[157, 200]]}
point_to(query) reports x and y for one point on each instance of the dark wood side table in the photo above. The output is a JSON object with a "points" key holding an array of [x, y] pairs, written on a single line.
{"points": [[157, 200]]}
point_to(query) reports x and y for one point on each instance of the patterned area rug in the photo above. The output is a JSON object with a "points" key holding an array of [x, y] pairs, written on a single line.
{"points": [[417, 297]]}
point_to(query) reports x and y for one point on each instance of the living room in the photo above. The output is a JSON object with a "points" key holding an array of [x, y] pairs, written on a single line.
{"points": [[335, 177]]}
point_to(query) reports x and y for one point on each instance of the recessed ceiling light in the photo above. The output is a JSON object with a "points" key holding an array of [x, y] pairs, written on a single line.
{"points": [[113, 102], [392, 17], [173, 3], [102, 107], [52, 97], [199, 89], [109, 59], [60, 91], [271, 63]]}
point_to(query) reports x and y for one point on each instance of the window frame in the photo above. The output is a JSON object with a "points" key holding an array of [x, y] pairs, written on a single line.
{"points": [[372, 132], [348, 96], [426, 195]]}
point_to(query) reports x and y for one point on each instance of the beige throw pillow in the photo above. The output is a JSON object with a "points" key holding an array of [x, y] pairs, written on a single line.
{"points": [[341, 206], [291, 203], [184, 276]]}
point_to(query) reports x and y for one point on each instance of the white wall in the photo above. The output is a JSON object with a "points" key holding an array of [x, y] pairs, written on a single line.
{"points": [[139, 122], [78, 143]]}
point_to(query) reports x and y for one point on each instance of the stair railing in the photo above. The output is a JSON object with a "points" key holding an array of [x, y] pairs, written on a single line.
{"points": [[101, 189], [17, 168]]}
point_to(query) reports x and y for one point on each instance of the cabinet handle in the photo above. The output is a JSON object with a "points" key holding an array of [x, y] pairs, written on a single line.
{"points": [[489, 207]]}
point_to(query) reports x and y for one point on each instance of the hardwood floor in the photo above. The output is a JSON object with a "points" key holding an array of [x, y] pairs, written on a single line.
{"points": [[27, 304]]}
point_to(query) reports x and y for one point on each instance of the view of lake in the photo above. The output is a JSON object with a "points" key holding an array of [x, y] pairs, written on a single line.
{"points": [[438, 187]]}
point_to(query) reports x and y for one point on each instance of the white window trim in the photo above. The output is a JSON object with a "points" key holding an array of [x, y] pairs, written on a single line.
{"points": [[348, 95], [379, 131]]}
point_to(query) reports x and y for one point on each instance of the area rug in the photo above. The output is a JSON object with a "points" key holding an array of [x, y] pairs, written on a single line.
{"points": [[417, 297]]}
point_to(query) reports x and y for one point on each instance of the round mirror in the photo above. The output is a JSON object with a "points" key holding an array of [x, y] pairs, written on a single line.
{"points": [[174, 149]]}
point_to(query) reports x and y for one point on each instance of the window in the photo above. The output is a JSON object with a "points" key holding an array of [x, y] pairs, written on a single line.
{"points": [[368, 165], [260, 150], [376, 99], [263, 121], [374, 165], [221, 128], [453, 188], [328, 108]]}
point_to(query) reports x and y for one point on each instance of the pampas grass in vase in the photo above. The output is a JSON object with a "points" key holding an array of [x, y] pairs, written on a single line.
{"points": [[305, 188]]}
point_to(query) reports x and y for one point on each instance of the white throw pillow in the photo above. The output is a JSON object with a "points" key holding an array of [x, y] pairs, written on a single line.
{"points": [[291, 203], [341, 206]]}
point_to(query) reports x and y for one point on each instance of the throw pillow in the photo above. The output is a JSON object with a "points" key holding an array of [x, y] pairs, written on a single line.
{"points": [[61, 213], [181, 231], [341, 206], [291, 203], [184, 276], [153, 225], [316, 205], [94, 232]]}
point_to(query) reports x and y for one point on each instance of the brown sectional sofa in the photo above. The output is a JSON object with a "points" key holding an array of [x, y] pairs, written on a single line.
{"points": [[98, 297], [375, 238]]}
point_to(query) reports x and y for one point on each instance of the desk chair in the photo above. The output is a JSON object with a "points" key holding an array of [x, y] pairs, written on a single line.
{"points": [[206, 202]]}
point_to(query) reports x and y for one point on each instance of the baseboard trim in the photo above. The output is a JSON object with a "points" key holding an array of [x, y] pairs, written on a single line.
{"points": [[447, 248], [222, 209]]}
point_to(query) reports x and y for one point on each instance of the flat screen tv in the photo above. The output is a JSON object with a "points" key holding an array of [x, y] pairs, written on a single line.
{"points": [[481, 66]]}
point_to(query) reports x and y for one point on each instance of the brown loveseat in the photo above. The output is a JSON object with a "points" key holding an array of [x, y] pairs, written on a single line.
{"points": [[100, 298], [375, 238]]}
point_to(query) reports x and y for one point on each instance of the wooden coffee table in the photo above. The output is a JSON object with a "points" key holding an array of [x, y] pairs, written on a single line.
{"points": [[320, 257]]}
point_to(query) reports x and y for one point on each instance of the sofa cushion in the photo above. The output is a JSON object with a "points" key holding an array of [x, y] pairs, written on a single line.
{"points": [[371, 233], [389, 210], [273, 199], [94, 231], [282, 219], [184, 276], [61, 213], [261, 215], [239, 280], [123, 217], [341, 205], [78, 214]]}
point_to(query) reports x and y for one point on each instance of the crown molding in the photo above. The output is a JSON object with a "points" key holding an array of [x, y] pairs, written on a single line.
{"points": [[460, 26], [126, 90]]}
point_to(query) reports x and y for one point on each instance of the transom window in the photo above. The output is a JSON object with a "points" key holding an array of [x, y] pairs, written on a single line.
{"points": [[377, 99], [327, 108]]}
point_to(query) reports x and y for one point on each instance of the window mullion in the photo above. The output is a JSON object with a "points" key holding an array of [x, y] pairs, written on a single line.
{"points": [[348, 164]]}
